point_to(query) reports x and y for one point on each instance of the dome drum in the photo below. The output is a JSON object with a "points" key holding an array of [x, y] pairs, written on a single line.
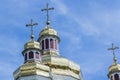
{"points": [[23, 53], [49, 43]]}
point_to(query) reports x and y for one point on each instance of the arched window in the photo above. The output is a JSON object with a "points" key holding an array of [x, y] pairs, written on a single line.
{"points": [[47, 43], [37, 55], [25, 56], [111, 77], [56, 44], [31, 55], [116, 76], [42, 44], [51, 43]]}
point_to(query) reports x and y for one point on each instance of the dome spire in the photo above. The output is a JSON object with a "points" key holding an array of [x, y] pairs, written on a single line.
{"points": [[32, 25], [114, 56], [47, 9]]}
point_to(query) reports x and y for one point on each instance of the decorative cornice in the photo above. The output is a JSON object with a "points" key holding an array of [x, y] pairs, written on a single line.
{"points": [[47, 35], [35, 68], [50, 52]]}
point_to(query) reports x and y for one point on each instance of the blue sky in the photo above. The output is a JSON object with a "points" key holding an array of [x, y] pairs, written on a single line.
{"points": [[86, 28]]}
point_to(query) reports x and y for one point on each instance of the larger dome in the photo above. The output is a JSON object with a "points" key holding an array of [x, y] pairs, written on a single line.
{"points": [[48, 31], [114, 68]]}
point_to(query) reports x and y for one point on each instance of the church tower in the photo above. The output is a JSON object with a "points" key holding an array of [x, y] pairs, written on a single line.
{"points": [[114, 69], [32, 69], [42, 60], [60, 67]]}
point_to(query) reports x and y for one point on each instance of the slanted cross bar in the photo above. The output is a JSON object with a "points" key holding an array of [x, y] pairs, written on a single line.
{"points": [[47, 9], [31, 25]]}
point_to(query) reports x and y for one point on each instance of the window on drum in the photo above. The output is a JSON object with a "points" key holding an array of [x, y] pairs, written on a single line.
{"points": [[42, 44], [47, 43], [31, 55], [51, 44], [56, 44], [37, 55], [25, 56], [116, 76]]}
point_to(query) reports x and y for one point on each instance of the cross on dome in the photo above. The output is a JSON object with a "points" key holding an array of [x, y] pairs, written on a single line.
{"points": [[31, 25], [47, 9], [113, 50]]}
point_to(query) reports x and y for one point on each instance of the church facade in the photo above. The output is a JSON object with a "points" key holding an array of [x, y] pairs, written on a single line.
{"points": [[42, 60]]}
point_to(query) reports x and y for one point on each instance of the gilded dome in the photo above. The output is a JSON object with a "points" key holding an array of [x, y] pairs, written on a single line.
{"points": [[32, 44], [114, 68], [61, 62], [48, 31]]}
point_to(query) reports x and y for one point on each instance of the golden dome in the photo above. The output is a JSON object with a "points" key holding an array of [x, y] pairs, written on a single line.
{"points": [[32, 44], [48, 31], [114, 68]]}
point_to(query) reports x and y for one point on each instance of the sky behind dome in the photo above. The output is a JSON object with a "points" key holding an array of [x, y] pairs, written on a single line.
{"points": [[86, 28]]}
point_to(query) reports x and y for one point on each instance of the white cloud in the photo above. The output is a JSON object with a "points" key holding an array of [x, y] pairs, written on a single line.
{"points": [[101, 23], [87, 26], [73, 42]]}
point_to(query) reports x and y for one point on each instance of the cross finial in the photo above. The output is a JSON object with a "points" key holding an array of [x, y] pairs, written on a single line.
{"points": [[31, 25], [47, 9], [114, 56]]}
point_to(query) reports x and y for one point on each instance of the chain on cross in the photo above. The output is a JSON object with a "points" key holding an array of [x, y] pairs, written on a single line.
{"points": [[47, 9], [31, 25], [113, 49]]}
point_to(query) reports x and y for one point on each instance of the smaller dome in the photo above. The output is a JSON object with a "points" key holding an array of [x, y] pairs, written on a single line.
{"points": [[48, 31], [114, 68], [32, 44]]}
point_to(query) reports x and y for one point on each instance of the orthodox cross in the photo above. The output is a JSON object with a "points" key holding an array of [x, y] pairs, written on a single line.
{"points": [[113, 49], [31, 25], [47, 9]]}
